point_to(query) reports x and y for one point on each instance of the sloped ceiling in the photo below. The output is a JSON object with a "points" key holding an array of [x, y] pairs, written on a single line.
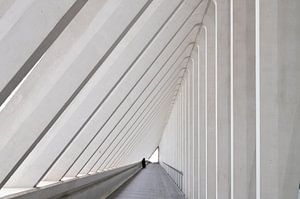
{"points": [[88, 85]]}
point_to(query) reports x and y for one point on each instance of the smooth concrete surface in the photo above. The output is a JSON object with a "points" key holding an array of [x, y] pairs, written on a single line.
{"points": [[95, 186], [21, 48], [210, 22], [223, 100], [243, 104], [280, 99], [151, 182], [202, 113], [91, 85], [40, 100], [249, 99]]}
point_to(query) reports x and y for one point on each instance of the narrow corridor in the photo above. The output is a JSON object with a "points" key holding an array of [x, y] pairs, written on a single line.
{"points": [[152, 182]]}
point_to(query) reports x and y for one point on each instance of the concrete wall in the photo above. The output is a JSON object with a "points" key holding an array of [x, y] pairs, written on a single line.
{"points": [[247, 102], [87, 86]]}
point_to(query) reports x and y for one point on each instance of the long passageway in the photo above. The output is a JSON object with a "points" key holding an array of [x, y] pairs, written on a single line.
{"points": [[88, 88], [152, 182]]}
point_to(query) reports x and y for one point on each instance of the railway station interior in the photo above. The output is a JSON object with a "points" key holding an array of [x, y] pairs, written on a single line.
{"points": [[150, 99]]}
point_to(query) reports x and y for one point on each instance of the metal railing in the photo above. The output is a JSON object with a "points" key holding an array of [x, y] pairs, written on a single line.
{"points": [[174, 173]]}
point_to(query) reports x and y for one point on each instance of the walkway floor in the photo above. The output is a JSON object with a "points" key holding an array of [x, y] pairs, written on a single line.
{"points": [[150, 183]]}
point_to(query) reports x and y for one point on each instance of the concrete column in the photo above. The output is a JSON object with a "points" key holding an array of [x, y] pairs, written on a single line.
{"points": [[223, 100], [280, 98], [244, 99], [195, 112], [190, 129], [182, 134], [209, 22], [202, 111], [185, 172]]}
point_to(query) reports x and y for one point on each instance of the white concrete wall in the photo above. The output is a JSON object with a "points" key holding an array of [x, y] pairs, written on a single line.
{"points": [[248, 105], [87, 86]]}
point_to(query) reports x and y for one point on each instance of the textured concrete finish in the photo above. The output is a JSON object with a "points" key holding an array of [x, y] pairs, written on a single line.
{"points": [[152, 182]]}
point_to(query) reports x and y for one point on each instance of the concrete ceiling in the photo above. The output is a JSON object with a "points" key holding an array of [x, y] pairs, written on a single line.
{"points": [[88, 85]]}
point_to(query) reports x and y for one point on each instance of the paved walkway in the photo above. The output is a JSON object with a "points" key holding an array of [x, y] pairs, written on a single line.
{"points": [[150, 183]]}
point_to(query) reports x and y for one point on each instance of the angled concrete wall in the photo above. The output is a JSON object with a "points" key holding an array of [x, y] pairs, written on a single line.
{"points": [[90, 85]]}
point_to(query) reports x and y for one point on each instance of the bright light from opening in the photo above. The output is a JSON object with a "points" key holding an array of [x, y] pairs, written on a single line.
{"points": [[154, 156]]}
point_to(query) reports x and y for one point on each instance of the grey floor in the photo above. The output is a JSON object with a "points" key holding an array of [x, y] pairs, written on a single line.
{"points": [[150, 183]]}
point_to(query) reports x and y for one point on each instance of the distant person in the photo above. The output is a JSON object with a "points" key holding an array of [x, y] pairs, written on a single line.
{"points": [[144, 163]]}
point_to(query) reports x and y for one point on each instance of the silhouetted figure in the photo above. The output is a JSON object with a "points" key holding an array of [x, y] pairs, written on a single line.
{"points": [[144, 163]]}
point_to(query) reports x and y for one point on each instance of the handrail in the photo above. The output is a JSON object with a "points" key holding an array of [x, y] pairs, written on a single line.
{"points": [[180, 172], [83, 184]]}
